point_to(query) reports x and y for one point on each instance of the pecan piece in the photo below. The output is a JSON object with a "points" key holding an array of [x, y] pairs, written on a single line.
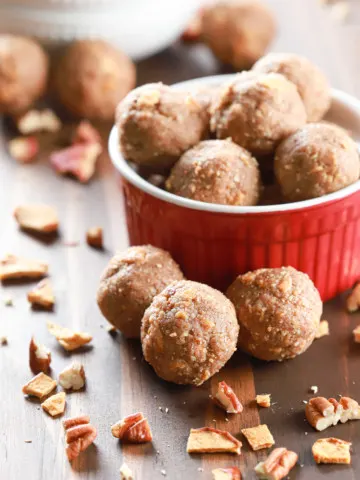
{"points": [[78, 160], [42, 295], [322, 413], [94, 237], [132, 429], [67, 338], [80, 434], [277, 465], [226, 399], [72, 377], [17, 267], [231, 473], [23, 149], [258, 437], [331, 450], [212, 440], [55, 405], [39, 386], [39, 357], [351, 409], [86, 133]]}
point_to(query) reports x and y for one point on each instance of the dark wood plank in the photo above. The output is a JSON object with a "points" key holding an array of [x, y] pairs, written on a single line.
{"points": [[119, 381]]}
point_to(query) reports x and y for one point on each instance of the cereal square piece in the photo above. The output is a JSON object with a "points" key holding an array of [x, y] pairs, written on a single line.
{"points": [[37, 218], [67, 338], [264, 400], [258, 437], [55, 405], [42, 295], [12, 267], [331, 450], [39, 386]]}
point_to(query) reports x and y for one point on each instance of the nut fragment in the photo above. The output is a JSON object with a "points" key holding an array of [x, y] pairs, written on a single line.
{"points": [[39, 357], [231, 473], [3, 340], [23, 149], [18, 267], [356, 333], [55, 405], [38, 121], [353, 300], [331, 450], [126, 473], [73, 377], [94, 237], [193, 31], [212, 440], [42, 295], [86, 133], [322, 413], [78, 160], [277, 465], [264, 400], [80, 434], [226, 399], [351, 409], [258, 437], [132, 429], [39, 386], [37, 217], [323, 329], [67, 338]]}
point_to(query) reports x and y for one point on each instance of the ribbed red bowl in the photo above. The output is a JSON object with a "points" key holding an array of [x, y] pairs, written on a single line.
{"points": [[214, 243]]}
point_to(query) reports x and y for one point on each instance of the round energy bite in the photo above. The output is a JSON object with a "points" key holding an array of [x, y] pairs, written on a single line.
{"points": [[189, 332], [311, 83], [130, 282], [318, 159], [157, 124], [23, 73], [258, 111], [278, 310], [216, 171], [238, 32], [92, 77]]}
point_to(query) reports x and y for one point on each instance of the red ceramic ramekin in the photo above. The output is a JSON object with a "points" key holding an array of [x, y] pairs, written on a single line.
{"points": [[214, 243]]}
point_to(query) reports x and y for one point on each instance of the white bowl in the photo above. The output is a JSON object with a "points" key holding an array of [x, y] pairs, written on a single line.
{"points": [[139, 27]]}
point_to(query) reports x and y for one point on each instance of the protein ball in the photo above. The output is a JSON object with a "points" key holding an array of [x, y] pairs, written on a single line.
{"points": [[238, 32], [92, 77], [23, 73], [216, 171], [278, 310], [258, 111], [316, 160], [189, 332], [157, 124], [311, 83], [130, 282]]}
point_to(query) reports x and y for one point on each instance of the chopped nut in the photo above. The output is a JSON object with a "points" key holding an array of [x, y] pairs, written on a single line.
{"points": [[37, 217], [86, 133], [126, 473], [226, 399], [23, 149], [351, 409], [3, 340], [73, 377], [78, 160], [42, 295], [67, 338], [353, 300], [80, 434], [277, 465], [17, 267], [94, 237], [258, 437], [55, 405], [39, 357], [39, 386], [132, 429], [356, 333], [193, 31], [38, 121], [331, 450], [323, 329], [322, 413], [231, 473], [264, 400], [212, 440], [111, 329]]}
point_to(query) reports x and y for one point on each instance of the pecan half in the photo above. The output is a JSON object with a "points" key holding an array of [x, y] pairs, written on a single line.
{"points": [[80, 434], [132, 429], [277, 465]]}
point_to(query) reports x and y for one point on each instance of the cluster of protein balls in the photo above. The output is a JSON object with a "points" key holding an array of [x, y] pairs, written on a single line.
{"points": [[215, 144], [189, 330]]}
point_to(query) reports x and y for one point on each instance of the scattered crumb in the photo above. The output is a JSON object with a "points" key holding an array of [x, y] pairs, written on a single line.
{"points": [[305, 402], [111, 329], [8, 302], [314, 389], [163, 472], [28, 441], [70, 243], [200, 469], [3, 340], [166, 410], [134, 358]]}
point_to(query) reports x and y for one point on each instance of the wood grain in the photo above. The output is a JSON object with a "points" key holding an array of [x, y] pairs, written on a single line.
{"points": [[118, 379]]}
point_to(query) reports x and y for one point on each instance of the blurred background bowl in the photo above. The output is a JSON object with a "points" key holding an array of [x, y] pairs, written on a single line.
{"points": [[138, 27]]}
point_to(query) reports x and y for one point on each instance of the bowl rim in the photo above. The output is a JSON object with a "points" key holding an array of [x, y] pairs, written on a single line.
{"points": [[135, 179]]}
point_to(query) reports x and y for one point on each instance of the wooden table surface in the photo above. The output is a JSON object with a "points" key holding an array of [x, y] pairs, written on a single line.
{"points": [[118, 380]]}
